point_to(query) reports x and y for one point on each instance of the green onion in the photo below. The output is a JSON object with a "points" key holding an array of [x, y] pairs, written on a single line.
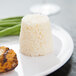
{"points": [[10, 30], [8, 24], [2, 28], [12, 18], [15, 33]]}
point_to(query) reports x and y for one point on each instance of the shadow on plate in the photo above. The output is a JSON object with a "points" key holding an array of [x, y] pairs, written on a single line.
{"points": [[10, 73], [64, 70]]}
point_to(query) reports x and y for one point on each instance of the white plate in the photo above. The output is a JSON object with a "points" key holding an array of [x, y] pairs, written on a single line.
{"points": [[43, 65]]}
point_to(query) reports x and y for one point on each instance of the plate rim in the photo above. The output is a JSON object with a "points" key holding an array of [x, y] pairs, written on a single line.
{"points": [[53, 69]]}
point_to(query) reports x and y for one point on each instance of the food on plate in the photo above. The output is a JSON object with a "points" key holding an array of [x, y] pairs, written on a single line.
{"points": [[8, 59], [18, 18], [10, 26], [35, 35], [10, 31]]}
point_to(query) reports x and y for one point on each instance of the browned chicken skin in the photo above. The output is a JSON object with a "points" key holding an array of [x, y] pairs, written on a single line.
{"points": [[8, 59]]}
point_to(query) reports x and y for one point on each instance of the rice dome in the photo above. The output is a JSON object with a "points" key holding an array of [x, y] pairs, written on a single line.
{"points": [[35, 35]]}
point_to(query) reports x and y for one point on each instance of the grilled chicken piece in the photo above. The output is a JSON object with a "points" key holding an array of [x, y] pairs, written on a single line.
{"points": [[8, 59]]}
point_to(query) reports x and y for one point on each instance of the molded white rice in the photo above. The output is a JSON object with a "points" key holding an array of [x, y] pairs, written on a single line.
{"points": [[35, 35]]}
